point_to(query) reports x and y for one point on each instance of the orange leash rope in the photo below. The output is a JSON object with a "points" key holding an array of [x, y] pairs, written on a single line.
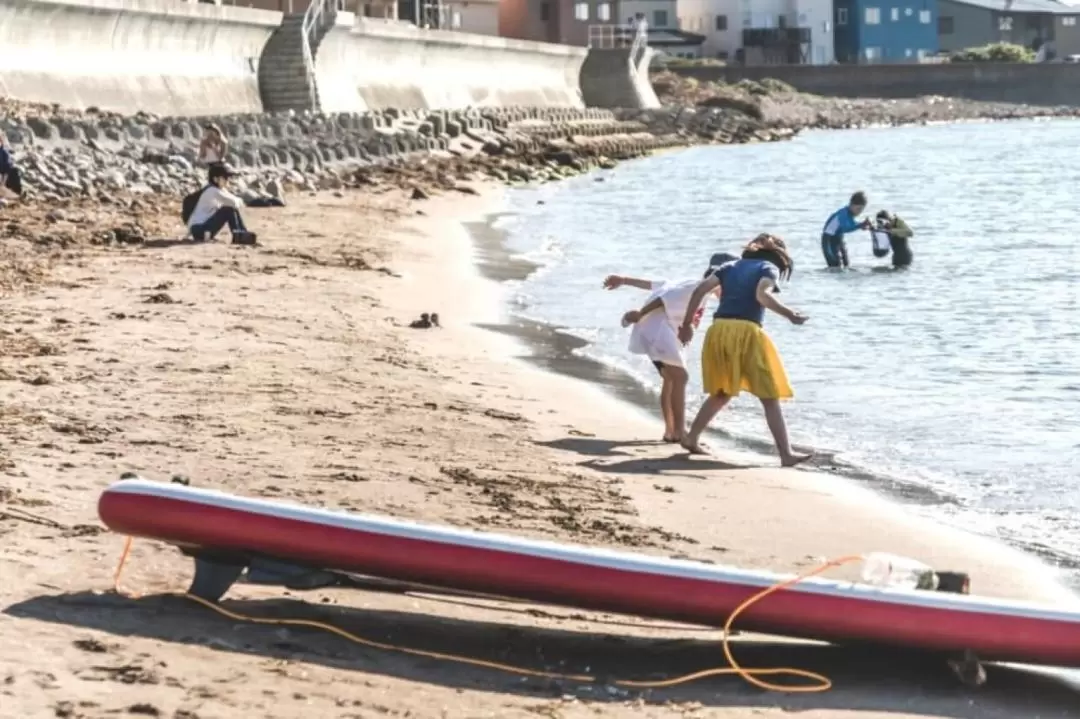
{"points": [[822, 683]]}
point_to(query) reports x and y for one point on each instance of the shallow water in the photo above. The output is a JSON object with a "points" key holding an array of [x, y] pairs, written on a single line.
{"points": [[957, 382]]}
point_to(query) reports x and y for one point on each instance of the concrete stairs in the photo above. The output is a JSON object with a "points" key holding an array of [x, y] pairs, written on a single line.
{"points": [[284, 82]]}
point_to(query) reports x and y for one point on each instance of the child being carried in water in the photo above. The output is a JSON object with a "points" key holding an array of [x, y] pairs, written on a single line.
{"points": [[655, 335]]}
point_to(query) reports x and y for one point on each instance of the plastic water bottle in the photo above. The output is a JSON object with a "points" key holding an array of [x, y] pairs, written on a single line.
{"points": [[890, 570]]}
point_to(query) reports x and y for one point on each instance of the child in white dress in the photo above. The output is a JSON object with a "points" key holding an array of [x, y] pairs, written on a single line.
{"points": [[655, 334]]}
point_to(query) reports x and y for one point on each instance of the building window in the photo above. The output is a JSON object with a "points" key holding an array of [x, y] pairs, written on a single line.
{"points": [[545, 12], [826, 27], [581, 11], [907, 53], [455, 20], [841, 16], [873, 16], [781, 21], [722, 55], [659, 18], [872, 54], [721, 23], [747, 20], [603, 12], [924, 17], [944, 25], [1005, 23], [895, 14], [1068, 21]]}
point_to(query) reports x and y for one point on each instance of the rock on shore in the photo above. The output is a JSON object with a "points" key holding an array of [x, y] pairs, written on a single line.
{"points": [[719, 112]]}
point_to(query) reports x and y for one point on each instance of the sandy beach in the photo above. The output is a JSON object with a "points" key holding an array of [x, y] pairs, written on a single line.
{"points": [[289, 371]]}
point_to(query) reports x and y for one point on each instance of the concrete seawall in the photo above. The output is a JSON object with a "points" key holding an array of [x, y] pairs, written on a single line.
{"points": [[611, 78], [371, 65], [170, 58], [1035, 84]]}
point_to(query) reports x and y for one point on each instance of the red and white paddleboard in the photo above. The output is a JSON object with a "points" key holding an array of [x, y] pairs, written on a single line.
{"points": [[589, 578]]}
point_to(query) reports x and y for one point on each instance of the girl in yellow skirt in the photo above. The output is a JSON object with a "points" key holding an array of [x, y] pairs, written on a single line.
{"points": [[737, 355]]}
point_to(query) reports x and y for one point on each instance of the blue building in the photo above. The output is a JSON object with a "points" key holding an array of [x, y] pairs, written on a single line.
{"points": [[885, 31]]}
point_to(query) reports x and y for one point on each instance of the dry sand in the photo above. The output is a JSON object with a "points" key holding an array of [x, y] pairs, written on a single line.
{"points": [[289, 371]]}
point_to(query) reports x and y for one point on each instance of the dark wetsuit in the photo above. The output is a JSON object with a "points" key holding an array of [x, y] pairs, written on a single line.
{"points": [[833, 246], [901, 251], [901, 245]]}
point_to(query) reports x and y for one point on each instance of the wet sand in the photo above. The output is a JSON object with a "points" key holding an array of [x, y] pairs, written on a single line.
{"points": [[290, 372]]}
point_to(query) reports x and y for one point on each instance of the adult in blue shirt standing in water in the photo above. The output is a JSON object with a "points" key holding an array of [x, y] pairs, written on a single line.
{"points": [[840, 223]]}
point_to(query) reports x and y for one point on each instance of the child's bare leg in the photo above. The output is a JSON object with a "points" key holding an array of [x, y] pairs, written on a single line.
{"points": [[665, 407], [774, 416], [709, 408], [677, 377]]}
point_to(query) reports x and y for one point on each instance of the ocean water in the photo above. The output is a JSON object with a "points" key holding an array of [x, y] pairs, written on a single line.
{"points": [[955, 384]]}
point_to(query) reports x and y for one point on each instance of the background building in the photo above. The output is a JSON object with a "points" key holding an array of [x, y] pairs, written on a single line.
{"points": [[964, 24], [870, 31], [762, 31]]}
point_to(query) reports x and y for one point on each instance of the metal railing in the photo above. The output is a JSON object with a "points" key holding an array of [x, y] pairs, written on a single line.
{"points": [[318, 13], [611, 37]]}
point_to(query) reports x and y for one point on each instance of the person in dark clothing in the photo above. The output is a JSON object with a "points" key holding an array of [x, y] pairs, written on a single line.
{"points": [[217, 208], [899, 235], [10, 177], [843, 221]]}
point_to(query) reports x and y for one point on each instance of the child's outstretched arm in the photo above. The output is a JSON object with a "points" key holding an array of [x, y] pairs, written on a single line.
{"points": [[767, 299], [633, 316], [709, 284], [613, 282]]}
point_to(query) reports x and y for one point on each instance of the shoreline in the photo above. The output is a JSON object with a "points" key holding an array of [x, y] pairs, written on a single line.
{"points": [[244, 383], [555, 349]]}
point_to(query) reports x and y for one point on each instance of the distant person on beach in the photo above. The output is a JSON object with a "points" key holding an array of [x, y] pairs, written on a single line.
{"points": [[10, 177], [213, 148], [654, 334], [899, 235], [840, 223], [209, 210], [737, 354]]}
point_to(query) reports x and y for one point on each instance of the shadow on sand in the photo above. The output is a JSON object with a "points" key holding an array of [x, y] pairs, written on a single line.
{"points": [[680, 461], [865, 678]]}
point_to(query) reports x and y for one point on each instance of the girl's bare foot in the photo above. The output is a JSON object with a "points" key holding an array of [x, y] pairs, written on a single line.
{"points": [[693, 447], [794, 460], [672, 439]]}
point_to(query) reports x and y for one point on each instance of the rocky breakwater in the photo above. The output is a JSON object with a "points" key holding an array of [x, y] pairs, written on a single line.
{"points": [[97, 155], [770, 109], [108, 179]]}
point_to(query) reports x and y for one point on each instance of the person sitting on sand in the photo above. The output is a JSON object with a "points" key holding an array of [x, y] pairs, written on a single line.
{"points": [[737, 354], [217, 207], [654, 335], [840, 223], [10, 177], [213, 148], [899, 234]]}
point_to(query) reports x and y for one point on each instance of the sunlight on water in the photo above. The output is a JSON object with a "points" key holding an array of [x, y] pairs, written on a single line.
{"points": [[961, 375]]}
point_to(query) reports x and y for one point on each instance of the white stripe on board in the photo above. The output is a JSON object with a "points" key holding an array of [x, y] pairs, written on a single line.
{"points": [[596, 557]]}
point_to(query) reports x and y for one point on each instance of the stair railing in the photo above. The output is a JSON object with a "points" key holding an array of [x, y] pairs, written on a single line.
{"points": [[318, 13]]}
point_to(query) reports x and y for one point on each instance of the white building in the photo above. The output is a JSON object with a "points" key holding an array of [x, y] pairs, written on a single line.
{"points": [[722, 22]]}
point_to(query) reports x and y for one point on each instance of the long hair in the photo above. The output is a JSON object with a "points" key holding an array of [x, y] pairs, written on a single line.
{"points": [[771, 249]]}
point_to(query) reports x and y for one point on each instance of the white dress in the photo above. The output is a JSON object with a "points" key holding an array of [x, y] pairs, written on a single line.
{"points": [[656, 334]]}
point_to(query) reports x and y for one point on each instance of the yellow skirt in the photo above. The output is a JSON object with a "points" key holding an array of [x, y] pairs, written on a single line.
{"points": [[737, 355]]}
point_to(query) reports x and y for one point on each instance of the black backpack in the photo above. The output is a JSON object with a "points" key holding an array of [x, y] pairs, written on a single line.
{"points": [[187, 205]]}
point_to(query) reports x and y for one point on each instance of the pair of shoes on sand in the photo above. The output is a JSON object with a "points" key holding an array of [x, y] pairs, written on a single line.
{"points": [[426, 321]]}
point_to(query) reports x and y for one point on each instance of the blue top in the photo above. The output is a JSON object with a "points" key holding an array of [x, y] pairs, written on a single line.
{"points": [[5, 161], [840, 222], [738, 283]]}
